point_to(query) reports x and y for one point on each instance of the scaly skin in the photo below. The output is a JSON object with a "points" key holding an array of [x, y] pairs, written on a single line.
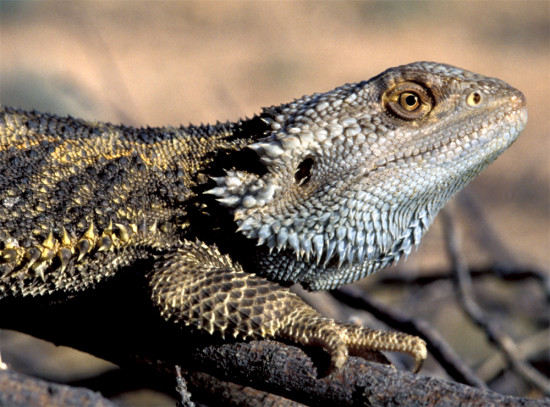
{"points": [[321, 191]]}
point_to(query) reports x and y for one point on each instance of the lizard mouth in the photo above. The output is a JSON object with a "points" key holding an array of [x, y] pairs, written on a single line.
{"points": [[523, 116]]}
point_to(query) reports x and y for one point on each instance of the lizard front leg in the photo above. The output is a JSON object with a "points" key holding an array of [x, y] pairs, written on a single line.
{"points": [[199, 287]]}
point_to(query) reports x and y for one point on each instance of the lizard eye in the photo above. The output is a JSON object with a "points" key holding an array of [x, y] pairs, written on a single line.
{"points": [[408, 101], [303, 172]]}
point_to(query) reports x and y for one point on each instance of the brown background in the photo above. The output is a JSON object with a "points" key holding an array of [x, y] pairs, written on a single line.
{"points": [[169, 63]]}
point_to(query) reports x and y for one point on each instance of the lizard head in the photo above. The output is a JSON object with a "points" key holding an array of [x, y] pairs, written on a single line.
{"points": [[355, 176]]}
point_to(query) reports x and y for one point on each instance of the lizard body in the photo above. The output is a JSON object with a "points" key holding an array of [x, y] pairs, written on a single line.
{"points": [[321, 191]]}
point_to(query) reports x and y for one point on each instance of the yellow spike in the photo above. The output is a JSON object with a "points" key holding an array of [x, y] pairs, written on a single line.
{"points": [[46, 255], [65, 239], [123, 232], [109, 230], [49, 243], [90, 233], [40, 271]]}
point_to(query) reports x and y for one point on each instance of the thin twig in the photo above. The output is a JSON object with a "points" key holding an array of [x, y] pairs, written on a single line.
{"points": [[462, 283], [514, 273], [534, 344], [181, 388]]}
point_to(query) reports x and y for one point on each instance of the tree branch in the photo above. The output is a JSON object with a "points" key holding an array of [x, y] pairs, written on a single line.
{"points": [[288, 371], [462, 283], [18, 390]]}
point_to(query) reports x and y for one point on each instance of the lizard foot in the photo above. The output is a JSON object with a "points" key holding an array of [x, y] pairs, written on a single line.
{"points": [[341, 339]]}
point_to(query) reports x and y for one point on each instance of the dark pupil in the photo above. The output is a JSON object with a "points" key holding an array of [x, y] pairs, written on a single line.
{"points": [[411, 100]]}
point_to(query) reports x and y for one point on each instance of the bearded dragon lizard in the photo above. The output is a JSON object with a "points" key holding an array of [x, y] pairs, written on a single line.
{"points": [[321, 191]]}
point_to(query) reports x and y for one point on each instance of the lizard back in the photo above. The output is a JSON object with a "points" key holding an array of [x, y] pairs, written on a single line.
{"points": [[79, 200]]}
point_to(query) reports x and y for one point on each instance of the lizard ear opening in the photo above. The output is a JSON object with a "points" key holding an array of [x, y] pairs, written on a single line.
{"points": [[303, 172]]}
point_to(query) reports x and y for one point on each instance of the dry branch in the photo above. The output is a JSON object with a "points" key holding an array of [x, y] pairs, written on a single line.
{"points": [[288, 371], [462, 282], [18, 390]]}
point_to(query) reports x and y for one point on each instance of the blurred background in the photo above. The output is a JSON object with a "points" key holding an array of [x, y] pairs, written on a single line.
{"points": [[163, 63]]}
